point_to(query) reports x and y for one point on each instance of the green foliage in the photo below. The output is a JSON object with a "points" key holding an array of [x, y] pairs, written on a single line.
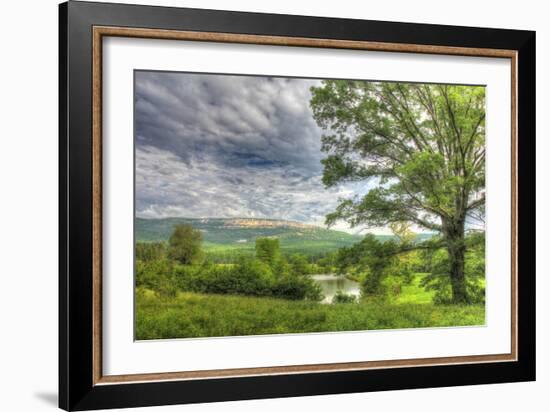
{"points": [[424, 146], [191, 315], [341, 297], [150, 251], [384, 268], [185, 244], [410, 262], [296, 288], [282, 268], [403, 232], [424, 141], [251, 277], [439, 281], [156, 275], [267, 275], [268, 250], [373, 261], [299, 264], [327, 263]]}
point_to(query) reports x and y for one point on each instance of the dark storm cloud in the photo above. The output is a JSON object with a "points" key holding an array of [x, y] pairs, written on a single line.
{"points": [[243, 119], [228, 146]]}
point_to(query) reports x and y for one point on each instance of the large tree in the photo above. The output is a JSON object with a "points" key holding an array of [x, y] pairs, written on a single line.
{"points": [[423, 147]]}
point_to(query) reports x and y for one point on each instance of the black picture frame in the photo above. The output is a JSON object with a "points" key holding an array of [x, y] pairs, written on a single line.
{"points": [[77, 390]]}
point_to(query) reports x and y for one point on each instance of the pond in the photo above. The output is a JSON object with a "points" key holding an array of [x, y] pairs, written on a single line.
{"points": [[330, 284]]}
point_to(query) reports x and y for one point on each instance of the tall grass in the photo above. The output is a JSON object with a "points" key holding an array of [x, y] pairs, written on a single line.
{"points": [[198, 315]]}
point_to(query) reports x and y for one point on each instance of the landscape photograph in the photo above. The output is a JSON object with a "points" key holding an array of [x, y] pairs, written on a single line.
{"points": [[275, 205]]}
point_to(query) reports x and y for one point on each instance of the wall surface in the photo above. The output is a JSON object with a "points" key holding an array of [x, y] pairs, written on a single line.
{"points": [[28, 205]]}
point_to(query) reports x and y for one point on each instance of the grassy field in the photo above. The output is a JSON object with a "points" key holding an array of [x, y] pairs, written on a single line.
{"points": [[414, 293], [288, 246], [195, 315]]}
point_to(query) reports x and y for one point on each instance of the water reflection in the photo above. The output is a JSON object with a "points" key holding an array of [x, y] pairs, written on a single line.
{"points": [[330, 284]]}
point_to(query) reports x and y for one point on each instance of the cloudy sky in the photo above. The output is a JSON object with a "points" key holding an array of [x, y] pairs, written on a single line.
{"points": [[229, 146]]}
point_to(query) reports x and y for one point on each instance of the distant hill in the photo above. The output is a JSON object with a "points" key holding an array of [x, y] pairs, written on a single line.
{"points": [[240, 233]]}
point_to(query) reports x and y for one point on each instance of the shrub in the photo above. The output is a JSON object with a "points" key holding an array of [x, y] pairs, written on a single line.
{"points": [[147, 251], [341, 297], [299, 263], [296, 288], [314, 291], [280, 267], [250, 277], [156, 275]]}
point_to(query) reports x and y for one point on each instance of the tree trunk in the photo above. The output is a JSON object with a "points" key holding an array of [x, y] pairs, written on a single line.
{"points": [[454, 233]]}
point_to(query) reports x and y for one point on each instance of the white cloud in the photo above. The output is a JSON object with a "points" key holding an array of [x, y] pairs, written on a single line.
{"points": [[168, 187]]}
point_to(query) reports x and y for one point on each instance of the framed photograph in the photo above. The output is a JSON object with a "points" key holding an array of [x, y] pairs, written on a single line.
{"points": [[256, 206]]}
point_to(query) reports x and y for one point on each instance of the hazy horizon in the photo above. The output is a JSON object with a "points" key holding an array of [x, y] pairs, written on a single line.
{"points": [[353, 231]]}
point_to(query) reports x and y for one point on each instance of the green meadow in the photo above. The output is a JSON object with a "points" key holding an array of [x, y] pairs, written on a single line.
{"points": [[189, 315]]}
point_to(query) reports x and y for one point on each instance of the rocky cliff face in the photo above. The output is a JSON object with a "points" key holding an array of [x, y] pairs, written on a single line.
{"points": [[265, 223]]}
